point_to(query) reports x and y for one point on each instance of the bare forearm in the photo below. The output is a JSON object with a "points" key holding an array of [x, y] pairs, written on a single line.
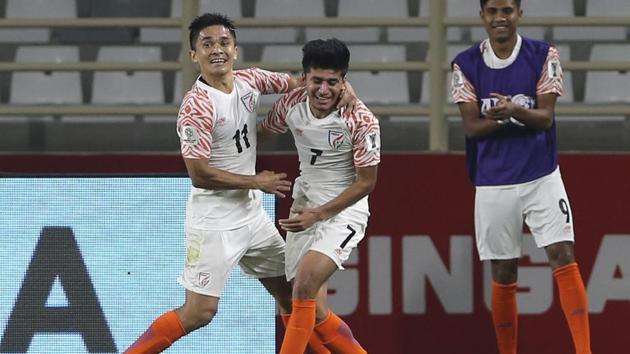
{"points": [[213, 178], [538, 118]]}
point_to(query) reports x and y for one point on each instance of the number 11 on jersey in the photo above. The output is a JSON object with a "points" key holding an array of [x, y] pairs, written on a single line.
{"points": [[237, 139]]}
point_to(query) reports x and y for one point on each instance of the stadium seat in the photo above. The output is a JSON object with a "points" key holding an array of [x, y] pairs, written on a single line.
{"points": [[383, 87], [365, 8], [280, 54], [608, 86], [371, 8], [607, 8], [18, 133], [290, 8], [35, 9], [173, 35], [451, 52], [348, 35], [589, 33], [115, 87], [280, 8], [454, 8], [113, 35], [31, 87]]}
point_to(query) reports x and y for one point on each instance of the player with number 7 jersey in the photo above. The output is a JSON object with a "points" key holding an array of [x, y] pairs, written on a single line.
{"points": [[339, 152]]}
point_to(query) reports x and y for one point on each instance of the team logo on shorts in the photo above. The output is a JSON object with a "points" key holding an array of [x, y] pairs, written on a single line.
{"points": [[249, 101], [204, 279], [335, 138]]}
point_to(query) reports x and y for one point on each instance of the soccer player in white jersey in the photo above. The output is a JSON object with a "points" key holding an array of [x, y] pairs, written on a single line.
{"points": [[506, 89], [225, 222], [339, 152]]}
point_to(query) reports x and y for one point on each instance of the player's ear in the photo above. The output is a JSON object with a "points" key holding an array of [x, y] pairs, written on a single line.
{"points": [[236, 51], [193, 55]]}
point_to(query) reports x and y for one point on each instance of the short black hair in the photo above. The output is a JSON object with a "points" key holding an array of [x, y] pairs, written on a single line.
{"points": [[483, 3], [325, 54], [209, 19]]}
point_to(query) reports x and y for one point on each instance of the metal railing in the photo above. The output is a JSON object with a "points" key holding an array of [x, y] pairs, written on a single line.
{"points": [[436, 65]]}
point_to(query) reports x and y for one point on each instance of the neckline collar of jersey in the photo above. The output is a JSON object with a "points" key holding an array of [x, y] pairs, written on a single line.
{"points": [[495, 62], [206, 86]]}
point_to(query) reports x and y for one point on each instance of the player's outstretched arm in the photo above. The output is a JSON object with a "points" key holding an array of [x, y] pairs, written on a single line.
{"points": [[306, 217], [206, 177]]}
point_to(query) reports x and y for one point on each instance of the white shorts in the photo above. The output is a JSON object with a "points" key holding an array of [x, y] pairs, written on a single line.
{"points": [[335, 237], [210, 255], [501, 210]]}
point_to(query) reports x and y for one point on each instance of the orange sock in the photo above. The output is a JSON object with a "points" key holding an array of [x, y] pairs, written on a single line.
{"points": [[337, 336], [300, 327], [574, 304], [163, 332], [314, 344], [505, 316]]}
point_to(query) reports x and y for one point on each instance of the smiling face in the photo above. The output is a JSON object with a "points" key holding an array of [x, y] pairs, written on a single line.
{"points": [[324, 87], [215, 51], [501, 17]]}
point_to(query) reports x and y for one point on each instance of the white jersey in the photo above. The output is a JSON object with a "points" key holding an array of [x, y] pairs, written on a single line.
{"points": [[221, 127], [329, 148]]}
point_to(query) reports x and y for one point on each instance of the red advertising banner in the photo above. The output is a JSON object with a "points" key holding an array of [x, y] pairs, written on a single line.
{"points": [[416, 284]]}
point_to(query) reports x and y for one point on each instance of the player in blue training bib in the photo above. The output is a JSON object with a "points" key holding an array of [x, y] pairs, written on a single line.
{"points": [[506, 89]]}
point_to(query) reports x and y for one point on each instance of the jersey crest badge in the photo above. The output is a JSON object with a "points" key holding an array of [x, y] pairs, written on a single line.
{"points": [[204, 279], [249, 101], [335, 139]]}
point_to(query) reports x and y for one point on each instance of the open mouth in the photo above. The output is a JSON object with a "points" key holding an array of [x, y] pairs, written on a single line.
{"points": [[323, 98], [500, 27], [218, 61]]}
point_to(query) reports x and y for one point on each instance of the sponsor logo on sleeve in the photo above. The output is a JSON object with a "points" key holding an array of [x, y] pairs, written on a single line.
{"points": [[458, 79], [553, 69], [189, 135], [372, 142]]}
